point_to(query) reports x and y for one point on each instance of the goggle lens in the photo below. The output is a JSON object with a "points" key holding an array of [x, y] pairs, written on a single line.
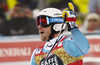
{"points": [[43, 21]]}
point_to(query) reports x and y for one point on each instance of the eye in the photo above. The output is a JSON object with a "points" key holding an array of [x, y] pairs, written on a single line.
{"points": [[43, 21]]}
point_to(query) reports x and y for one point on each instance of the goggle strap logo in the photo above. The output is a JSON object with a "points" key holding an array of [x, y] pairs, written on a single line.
{"points": [[56, 20]]}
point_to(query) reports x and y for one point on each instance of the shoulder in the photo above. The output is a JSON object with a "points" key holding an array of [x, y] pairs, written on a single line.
{"points": [[68, 38], [34, 52], [32, 62], [69, 46], [38, 50], [68, 42]]}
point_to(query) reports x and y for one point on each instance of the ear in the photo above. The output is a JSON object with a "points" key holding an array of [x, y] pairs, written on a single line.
{"points": [[57, 27]]}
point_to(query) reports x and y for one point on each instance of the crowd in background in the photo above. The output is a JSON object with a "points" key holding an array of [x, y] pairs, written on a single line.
{"points": [[20, 18]]}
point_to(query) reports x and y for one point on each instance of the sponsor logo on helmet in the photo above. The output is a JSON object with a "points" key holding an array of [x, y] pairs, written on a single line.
{"points": [[44, 11], [58, 14]]}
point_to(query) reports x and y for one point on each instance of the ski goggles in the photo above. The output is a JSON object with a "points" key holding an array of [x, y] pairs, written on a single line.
{"points": [[46, 21]]}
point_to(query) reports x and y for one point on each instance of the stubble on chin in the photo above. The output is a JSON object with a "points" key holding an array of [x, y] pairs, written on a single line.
{"points": [[44, 38]]}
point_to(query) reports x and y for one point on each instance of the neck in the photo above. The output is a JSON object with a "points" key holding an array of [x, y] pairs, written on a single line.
{"points": [[55, 35]]}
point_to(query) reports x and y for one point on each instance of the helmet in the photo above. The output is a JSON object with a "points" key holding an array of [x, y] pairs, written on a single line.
{"points": [[51, 12], [51, 16]]}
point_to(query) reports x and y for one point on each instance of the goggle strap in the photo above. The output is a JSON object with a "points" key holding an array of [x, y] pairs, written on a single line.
{"points": [[56, 20]]}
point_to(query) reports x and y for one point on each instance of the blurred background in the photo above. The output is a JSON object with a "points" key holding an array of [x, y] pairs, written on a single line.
{"points": [[19, 35]]}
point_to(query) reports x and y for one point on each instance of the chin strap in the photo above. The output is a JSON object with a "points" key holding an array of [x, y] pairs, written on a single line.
{"points": [[53, 32], [51, 37]]}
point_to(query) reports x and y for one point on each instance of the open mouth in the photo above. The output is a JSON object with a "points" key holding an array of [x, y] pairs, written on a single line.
{"points": [[41, 32]]}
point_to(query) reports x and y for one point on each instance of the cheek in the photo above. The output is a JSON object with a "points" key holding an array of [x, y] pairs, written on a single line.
{"points": [[94, 24], [90, 23], [48, 31], [97, 23], [22, 14]]}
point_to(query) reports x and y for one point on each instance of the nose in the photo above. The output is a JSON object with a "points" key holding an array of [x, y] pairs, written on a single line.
{"points": [[39, 26]]}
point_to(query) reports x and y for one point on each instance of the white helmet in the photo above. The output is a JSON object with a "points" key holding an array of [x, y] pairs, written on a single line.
{"points": [[52, 12]]}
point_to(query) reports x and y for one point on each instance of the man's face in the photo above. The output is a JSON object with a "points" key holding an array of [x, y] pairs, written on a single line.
{"points": [[44, 32], [19, 12], [93, 24]]}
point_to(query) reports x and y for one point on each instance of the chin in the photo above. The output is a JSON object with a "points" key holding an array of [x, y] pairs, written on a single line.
{"points": [[44, 39]]}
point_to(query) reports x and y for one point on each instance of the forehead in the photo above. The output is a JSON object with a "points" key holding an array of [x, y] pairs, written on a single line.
{"points": [[19, 9]]}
